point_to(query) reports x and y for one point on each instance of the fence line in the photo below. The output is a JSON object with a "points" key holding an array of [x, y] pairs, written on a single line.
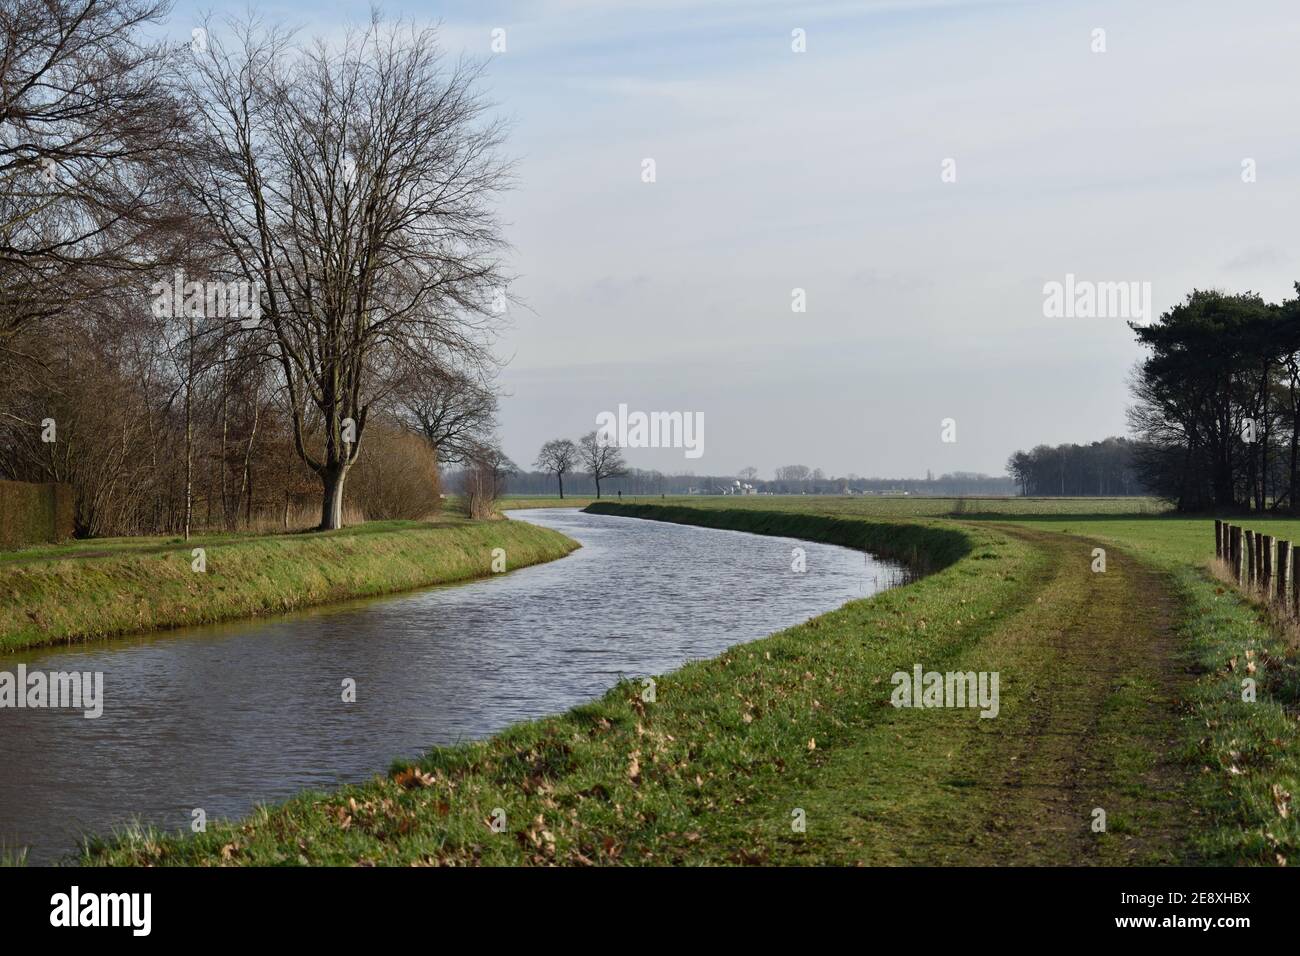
{"points": [[1260, 563]]}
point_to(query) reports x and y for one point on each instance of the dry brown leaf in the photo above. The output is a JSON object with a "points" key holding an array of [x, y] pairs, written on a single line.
{"points": [[1282, 800]]}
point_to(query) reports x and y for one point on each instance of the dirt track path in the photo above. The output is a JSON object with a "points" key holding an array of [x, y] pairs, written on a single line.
{"points": [[1090, 677]]}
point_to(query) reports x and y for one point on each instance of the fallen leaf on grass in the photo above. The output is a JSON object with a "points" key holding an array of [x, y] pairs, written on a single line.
{"points": [[1282, 800], [411, 778]]}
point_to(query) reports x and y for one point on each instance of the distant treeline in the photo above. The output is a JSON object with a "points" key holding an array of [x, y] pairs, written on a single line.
{"points": [[1102, 468], [640, 482], [1217, 405]]}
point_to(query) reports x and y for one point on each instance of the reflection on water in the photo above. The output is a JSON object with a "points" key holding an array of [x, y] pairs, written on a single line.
{"points": [[226, 716]]}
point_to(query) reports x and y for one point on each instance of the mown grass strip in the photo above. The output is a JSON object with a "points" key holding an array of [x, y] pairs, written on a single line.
{"points": [[131, 589], [1244, 753]]}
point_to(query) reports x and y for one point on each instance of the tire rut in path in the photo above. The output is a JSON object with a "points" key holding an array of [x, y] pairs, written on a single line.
{"points": [[1090, 679], [1103, 721]]}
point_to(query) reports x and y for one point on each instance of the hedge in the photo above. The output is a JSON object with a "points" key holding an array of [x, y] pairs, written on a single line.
{"points": [[35, 513]]}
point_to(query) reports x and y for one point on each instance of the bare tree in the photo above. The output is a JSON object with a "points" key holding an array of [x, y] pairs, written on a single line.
{"points": [[558, 456], [353, 183], [86, 123], [484, 479], [600, 459], [452, 408]]}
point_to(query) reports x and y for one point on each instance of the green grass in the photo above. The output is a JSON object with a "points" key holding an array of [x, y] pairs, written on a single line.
{"points": [[1246, 756], [88, 590], [619, 780], [711, 770], [99, 547], [1120, 690], [542, 501], [873, 506]]}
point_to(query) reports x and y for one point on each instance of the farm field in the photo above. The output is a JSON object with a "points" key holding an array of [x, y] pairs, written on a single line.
{"points": [[867, 505]]}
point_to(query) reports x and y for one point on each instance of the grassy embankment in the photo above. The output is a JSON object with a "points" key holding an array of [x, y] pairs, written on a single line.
{"points": [[1244, 757], [713, 769], [95, 589], [527, 502]]}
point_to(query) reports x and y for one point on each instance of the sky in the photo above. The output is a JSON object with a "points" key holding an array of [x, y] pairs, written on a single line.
{"points": [[921, 171]]}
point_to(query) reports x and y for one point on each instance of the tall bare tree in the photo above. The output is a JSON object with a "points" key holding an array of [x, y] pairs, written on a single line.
{"points": [[354, 183], [86, 124]]}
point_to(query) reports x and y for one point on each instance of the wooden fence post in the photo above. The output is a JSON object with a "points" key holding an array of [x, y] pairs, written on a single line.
{"points": [[1283, 566], [1234, 545], [1266, 565], [1295, 581], [1250, 557], [1218, 539], [1259, 559]]}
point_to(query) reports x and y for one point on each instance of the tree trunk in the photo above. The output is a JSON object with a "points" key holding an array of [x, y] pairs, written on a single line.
{"points": [[227, 516], [331, 515], [1295, 444], [189, 434], [560, 475], [1261, 442], [288, 473], [597, 487]]}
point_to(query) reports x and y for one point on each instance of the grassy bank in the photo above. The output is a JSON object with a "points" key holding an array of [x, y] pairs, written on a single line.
{"points": [[1242, 757], [713, 770], [1245, 755], [923, 546], [542, 501], [1120, 691], [88, 590], [622, 780]]}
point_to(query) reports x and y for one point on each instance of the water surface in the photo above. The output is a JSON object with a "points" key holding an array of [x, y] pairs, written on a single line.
{"points": [[227, 716]]}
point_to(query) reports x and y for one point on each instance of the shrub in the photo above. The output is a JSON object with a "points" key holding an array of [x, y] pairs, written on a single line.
{"points": [[395, 477]]}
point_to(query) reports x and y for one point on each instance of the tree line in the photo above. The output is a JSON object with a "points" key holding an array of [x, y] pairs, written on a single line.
{"points": [[1216, 408], [230, 265], [587, 467], [1101, 468]]}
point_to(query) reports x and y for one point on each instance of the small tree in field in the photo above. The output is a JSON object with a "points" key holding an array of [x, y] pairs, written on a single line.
{"points": [[600, 459], [558, 457]]}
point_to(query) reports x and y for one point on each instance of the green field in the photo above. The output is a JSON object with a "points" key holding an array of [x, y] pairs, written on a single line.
{"points": [[879, 506], [1120, 692], [507, 503]]}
